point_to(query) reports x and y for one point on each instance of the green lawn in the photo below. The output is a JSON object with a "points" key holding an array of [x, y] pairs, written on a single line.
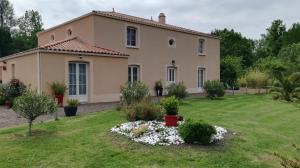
{"points": [[262, 127]]}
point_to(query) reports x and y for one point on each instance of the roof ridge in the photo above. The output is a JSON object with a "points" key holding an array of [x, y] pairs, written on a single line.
{"points": [[57, 42]]}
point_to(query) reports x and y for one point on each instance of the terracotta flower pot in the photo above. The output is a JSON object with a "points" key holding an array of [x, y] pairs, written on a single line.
{"points": [[60, 100], [8, 104], [171, 120]]}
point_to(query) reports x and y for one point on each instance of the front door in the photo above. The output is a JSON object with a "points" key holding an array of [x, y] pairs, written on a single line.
{"points": [[78, 81]]}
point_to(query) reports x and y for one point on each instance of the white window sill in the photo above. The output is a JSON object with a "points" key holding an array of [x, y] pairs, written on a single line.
{"points": [[201, 54], [134, 47]]}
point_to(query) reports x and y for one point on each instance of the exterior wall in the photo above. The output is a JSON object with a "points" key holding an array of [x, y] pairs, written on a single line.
{"points": [[25, 70], [82, 28], [154, 53], [105, 74]]}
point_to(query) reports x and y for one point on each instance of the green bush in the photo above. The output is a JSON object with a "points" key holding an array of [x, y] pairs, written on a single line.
{"points": [[2, 100], [72, 102], [31, 105], [214, 89], [143, 111], [196, 132], [13, 89], [177, 90], [58, 88], [171, 105], [256, 79], [134, 92]]}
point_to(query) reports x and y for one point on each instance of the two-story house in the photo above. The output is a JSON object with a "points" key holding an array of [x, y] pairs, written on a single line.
{"points": [[98, 52]]}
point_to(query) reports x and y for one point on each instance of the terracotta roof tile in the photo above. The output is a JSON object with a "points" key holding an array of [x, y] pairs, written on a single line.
{"points": [[129, 18], [76, 45]]}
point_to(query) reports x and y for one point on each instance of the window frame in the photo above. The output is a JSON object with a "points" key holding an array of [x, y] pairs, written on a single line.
{"points": [[201, 85], [137, 36], [138, 75], [174, 74], [203, 53]]}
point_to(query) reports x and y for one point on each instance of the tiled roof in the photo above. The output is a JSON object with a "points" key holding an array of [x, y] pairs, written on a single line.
{"points": [[76, 45], [149, 22]]}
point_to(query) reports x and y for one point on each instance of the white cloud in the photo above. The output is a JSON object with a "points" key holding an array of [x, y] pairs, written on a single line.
{"points": [[248, 17]]}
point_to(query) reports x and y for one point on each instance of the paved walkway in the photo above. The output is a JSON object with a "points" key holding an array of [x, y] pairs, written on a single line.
{"points": [[9, 118]]}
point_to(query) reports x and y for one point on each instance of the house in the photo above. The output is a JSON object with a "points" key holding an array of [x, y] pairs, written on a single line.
{"points": [[98, 52]]}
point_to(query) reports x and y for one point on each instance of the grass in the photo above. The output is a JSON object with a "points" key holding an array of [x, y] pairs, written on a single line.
{"points": [[262, 127]]}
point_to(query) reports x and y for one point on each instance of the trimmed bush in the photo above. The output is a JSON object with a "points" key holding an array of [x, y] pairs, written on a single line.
{"points": [[15, 88], [31, 105], [134, 92], [171, 105], [196, 132], [143, 111], [214, 89], [177, 90]]}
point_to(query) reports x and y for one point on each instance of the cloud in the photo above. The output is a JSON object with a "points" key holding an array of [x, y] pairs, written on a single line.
{"points": [[248, 17]]}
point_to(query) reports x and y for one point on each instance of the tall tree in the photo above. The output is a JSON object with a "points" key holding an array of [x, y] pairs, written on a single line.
{"points": [[273, 39], [292, 35], [5, 41], [231, 69], [6, 14], [233, 43]]}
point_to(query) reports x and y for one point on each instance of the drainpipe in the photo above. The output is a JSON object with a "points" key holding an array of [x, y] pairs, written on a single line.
{"points": [[38, 72]]}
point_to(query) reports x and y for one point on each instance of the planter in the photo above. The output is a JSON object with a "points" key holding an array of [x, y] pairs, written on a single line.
{"points": [[171, 120], [60, 100], [159, 91], [8, 104], [70, 111]]}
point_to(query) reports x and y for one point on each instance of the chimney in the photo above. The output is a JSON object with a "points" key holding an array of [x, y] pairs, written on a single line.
{"points": [[162, 18]]}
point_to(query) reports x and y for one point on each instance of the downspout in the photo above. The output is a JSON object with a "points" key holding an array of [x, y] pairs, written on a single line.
{"points": [[38, 72]]}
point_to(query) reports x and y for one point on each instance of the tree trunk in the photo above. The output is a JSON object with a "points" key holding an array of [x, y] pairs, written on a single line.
{"points": [[232, 90], [30, 125]]}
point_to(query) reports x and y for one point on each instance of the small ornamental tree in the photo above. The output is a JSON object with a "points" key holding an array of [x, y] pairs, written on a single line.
{"points": [[31, 105], [133, 92]]}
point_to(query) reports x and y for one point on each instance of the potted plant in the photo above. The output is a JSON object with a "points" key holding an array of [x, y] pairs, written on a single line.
{"points": [[170, 105], [159, 88], [71, 109], [58, 89]]}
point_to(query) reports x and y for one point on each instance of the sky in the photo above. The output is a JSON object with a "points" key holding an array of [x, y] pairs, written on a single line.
{"points": [[250, 17]]}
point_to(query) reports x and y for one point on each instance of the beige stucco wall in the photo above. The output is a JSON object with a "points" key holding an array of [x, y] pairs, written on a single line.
{"points": [[25, 70], [105, 74], [154, 53], [82, 28]]}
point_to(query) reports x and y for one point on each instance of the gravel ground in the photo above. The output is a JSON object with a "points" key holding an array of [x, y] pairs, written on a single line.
{"points": [[9, 118]]}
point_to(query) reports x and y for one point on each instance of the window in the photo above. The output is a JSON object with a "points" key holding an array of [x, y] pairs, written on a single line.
{"points": [[201, 77], [13, 73], [171, 74], [69, 33], [133, 73], [172, 42], [52, 37], [131, 36], [201, 46]]}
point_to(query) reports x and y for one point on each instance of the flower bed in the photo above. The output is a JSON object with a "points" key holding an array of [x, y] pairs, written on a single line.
{"points": [[156, 133]]}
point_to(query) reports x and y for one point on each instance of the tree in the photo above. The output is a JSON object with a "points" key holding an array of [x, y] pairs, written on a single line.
{"points": [[233, 43], [31, 105], [5, 41], [6, 14], [291, 56], [273, 40], [292, 35], [231, 69], [255, 79]]}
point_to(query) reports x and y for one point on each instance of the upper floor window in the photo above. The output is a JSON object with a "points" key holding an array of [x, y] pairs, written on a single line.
{"points": [[172, 42], [52, 37], [201, 47], [131, 36], [133, 73], [69, 32]]}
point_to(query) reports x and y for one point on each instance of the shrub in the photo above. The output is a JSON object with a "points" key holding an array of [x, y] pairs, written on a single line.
{"points": [[139, 131], [143, 111], [72, 102], [214, 89], [31, 105], [158, 85], [15, 88], [177, 90], [256, 79], [58, 88], [2, 100], [171, 105], [196, 132], [134, 92]]}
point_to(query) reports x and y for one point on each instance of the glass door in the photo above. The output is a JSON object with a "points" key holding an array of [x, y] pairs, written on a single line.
{"points": [[78, 81]]}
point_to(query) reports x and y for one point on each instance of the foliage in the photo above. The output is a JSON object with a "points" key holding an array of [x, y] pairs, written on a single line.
{"points": [[2, 100], [14, 89], [233, 43], [178, 90], [269, 64], [231, 69], [289, 163], [214, 89], [140, 130], [31, 105], [5, 41], [58, 88], [286, 87], [72, 102], [6, 14], [292, 35], [171, 105], [196, 132], [291, 56], [144, 110], [255, 79], [133, 92], [158, 84]]}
